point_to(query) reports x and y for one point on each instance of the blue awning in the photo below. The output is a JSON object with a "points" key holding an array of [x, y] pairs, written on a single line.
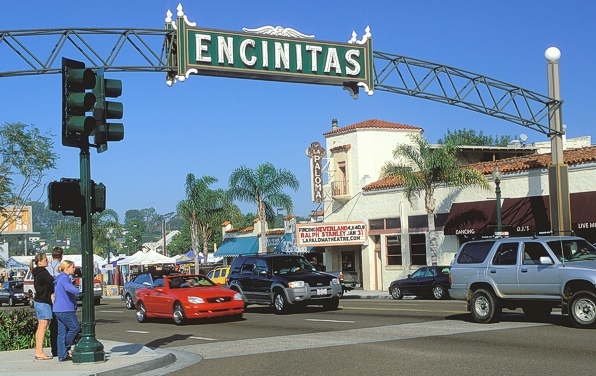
{"points": [[233, 247]]}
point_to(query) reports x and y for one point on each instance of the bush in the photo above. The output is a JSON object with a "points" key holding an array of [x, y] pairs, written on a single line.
{"points": [[17, 330]]}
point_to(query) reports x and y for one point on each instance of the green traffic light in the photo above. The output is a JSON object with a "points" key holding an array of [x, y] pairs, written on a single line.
{"points": [[79, 103], [76, 101], [81, 125]]}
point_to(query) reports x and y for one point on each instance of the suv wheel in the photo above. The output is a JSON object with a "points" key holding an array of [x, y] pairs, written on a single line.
{"points": [[11, 302], [128, 302], [331, 304], [396, 292], [485, 306], [582, 308], [31, 299], [280, 305], [438, 292]]}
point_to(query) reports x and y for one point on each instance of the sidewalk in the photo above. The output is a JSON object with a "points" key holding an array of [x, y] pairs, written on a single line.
{"points": [[121, 358]]}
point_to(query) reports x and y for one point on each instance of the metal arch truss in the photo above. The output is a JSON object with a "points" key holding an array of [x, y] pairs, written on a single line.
{"points": [[25, 50], [150, 50], [457, 87]]}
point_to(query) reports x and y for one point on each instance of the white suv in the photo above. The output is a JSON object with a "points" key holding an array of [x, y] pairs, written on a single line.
{"points": [[536, 274]]}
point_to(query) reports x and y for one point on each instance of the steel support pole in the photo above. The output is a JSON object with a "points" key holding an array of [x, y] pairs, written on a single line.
{"points": [[498, 193], [88, 349], [558, 172]]}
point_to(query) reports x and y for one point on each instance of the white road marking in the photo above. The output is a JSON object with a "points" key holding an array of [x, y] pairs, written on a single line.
{"points": [[137, 331], [344, 337], [347, 321], [110, 311], [204, 339]]}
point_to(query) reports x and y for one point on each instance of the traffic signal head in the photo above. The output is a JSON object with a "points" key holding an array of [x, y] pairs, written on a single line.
{"points": [[76, 101], [105, 110]]}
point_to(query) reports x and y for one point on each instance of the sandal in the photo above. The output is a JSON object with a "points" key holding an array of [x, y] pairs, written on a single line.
{"points": [[45, 357]]}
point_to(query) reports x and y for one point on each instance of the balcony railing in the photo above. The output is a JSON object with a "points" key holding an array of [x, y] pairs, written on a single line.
{"points": [[339, 188]]}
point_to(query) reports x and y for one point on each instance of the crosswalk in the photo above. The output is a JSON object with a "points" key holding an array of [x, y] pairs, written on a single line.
{"points": [[224, 349]]}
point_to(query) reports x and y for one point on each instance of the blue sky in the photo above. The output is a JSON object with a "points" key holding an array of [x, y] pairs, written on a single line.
{"points": [[210, 126]]}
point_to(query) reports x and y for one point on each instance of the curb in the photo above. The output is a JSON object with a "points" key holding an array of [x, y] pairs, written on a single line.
{"points": [[135, 369]]}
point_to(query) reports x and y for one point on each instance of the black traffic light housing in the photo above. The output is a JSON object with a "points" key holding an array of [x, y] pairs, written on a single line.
{"points": [[105, 110], [65, 196], [76, 101]]}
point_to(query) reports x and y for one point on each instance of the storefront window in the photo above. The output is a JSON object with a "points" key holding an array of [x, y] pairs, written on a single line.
{"points": [[394, 250], [418, 249]]}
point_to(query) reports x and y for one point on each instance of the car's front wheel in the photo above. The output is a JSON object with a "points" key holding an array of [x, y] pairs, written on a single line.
{"points": [[280, 305], [439, 292], [485, 306], [396, 292], [179, 317], [141, 312], [582, 309], [128, 302]]}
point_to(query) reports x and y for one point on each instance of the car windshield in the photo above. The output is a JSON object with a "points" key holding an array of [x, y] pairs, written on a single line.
{"points": [[185, 281], [284, 265], [570, 250]]}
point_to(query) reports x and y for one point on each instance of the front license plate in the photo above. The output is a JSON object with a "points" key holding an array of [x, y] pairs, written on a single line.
{"points": [[321, 291]]}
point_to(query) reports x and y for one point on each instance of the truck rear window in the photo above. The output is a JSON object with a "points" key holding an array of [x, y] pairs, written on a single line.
{"points": [[474, 253]]}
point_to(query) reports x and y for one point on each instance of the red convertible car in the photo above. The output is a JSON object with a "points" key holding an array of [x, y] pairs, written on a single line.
{"points": [[187, 296]]}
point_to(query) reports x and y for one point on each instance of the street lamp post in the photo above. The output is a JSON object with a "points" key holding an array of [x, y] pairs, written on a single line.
{"points": [[558, 171], [497, 175]]}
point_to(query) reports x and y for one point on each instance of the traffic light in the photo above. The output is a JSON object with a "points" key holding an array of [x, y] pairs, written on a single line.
{"points": [[65, 196], [105, 110], [76, 101], [98, 197]]}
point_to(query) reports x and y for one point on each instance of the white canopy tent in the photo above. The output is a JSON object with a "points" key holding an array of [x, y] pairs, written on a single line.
{"points": [[152, 257], [131, 259]]}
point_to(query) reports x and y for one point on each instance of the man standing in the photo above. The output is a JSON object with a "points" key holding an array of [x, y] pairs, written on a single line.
{"points": [[52, 267]]}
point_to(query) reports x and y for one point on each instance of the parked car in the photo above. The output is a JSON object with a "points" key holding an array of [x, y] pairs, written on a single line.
{"points": [[143, 280], [219, 275], [426, 281], [283, 281], [535, 274], [188, 296], [348, 280], [97, 287], [12, 293]]}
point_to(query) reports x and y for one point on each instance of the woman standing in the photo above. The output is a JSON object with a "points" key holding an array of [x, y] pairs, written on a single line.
{"points": [[65, 306], [44, 288]]}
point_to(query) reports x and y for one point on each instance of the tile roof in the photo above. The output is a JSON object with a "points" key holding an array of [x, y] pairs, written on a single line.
{"points": [[513, 164], [371, 124]]}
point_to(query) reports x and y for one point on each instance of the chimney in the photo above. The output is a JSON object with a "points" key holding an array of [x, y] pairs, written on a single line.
{"points": [[334, 125]]}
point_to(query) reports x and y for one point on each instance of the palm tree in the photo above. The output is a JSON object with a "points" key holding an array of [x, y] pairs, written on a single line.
{"points": [[263, 186], [424, 169], [105, 228], [205, 210]]}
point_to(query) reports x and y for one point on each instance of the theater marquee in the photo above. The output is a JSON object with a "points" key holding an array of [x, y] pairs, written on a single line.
{"points": [[269, 53], [330, 234]]}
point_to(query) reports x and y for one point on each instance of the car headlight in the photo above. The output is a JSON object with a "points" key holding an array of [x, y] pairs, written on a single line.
{"points": [[195, 300], [335, 281], [238, 296], [295, 284]]}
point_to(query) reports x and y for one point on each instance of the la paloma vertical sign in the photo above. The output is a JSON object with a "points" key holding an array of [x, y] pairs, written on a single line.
{"points": [[316, 153]]}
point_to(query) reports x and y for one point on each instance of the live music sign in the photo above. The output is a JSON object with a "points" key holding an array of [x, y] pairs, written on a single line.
{"points": [[270, 53]]}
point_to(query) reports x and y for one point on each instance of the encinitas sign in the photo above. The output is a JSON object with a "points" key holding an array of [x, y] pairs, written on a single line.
{"points": [[270, 53]]}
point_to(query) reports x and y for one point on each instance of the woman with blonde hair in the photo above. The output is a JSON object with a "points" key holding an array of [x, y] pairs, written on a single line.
{"points": [[44, 288], [65, 306]]}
